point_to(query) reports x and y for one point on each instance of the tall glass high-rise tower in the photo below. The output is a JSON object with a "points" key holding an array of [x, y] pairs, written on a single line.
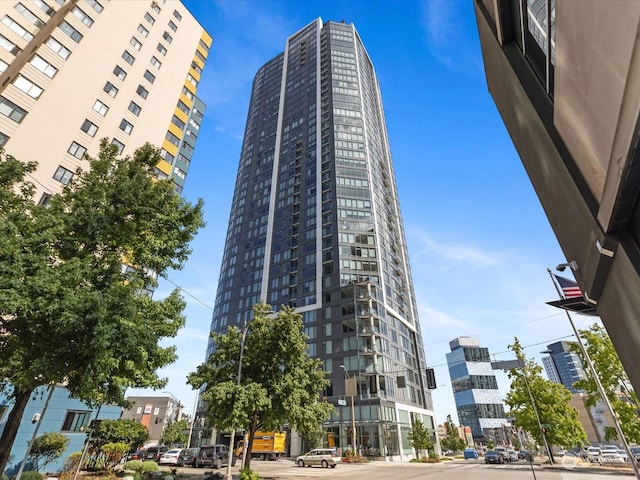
{"points": [[315, 224]]}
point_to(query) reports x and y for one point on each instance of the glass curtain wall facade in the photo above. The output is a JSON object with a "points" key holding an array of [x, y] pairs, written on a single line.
{"points": [[475, 388], [315, 224]]}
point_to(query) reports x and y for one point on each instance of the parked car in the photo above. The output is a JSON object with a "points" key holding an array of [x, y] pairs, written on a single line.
{"points": [[522, 454], [325, 457], [154, 453], [610, 456], [170, 457], [502, 451], [470, 453], [492, 456], [188, 457], [135, 455], [215, 456], [635, 451], [512, 456], [591, 453]]}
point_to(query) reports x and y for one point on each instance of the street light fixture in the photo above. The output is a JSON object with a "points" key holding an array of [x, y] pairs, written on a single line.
{"points": [[351, 388]]}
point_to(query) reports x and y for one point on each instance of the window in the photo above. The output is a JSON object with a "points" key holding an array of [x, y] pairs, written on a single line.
{"points": [[77, 150], [177, 15], [58, 48], [143, 31], [16, 28], [11, 110], [155, 7], [125, 126], [162, 49], [181, 105], [42, 6], [83, 17], [149, 18], [196, 67], [89, 128], [179, 173], [128, 57], [27, 86], [64, 176], [200, 56], [172, 139], [172, 26], [143, 92], [4, 138], [9, 46], [149, 76], [187, 93], [29, 15], [168, 38], [204, 46], [166, 155], [156, 63], [118, 144], [119, 72], [3, 66], [136, 43], [44, 66], [177, 122], [45, 200], [134, 108], [110, 89], [75, 35], [192, 80], [95, 5], [100, 107], [75, 421]]}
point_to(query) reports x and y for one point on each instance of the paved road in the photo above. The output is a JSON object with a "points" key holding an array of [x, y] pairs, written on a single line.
{"points": [[285, 469]]}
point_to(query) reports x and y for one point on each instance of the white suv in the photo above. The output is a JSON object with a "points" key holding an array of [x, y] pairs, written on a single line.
{"points": [[325, 457]]}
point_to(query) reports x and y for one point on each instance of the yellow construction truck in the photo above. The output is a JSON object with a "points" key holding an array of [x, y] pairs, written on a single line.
{"points": [[266, 445]]}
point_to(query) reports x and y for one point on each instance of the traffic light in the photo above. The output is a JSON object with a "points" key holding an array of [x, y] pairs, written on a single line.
{"points": [[431, 379]]}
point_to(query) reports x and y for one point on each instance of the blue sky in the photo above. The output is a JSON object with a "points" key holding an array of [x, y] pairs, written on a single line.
{"points": [[479, 242]]}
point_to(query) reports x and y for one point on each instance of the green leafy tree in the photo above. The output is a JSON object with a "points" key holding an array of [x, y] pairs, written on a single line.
{"points": [[176, 433], [69, 313], [115, 432], [614, 380], [279, 382], [420, 437], [452, 441], [46, 448], [551, 401]]}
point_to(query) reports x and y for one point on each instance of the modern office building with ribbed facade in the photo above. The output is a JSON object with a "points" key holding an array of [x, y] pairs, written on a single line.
{"points": [[76, 71], [315, 224], [73, 72]]}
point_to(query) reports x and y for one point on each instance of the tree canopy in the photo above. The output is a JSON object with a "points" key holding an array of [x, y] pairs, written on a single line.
{"points": [[70, 312], [175, 434], [551, 401], [280, 382], [46, 448], [614, 380], [420, 437], [452, 442]]}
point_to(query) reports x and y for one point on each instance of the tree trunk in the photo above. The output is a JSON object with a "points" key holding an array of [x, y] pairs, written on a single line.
{"points": [[249, 448], [20, 398]]}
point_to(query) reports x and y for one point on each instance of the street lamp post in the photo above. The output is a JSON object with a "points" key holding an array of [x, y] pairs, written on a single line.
{"points": [[353, 409], [232, 438]]}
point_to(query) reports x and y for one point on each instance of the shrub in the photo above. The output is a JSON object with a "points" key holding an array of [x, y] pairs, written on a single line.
{"points": [[135, 465], [31, 475], [149, 466], [248, 474], [4, 476]]}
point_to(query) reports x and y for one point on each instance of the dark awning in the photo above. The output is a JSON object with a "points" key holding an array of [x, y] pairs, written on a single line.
{"points": [[575, 305]]}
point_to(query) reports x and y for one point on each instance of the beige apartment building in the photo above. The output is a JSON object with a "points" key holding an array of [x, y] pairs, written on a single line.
{"points": [[76, 71]]}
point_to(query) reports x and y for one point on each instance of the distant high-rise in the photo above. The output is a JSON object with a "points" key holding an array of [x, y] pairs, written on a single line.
{"points": [[315, 224], [563, 366], [76, 71], [475, 388]]}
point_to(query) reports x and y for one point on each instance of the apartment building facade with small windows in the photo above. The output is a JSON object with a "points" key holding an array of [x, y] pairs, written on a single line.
{"points": [[73, 72]]}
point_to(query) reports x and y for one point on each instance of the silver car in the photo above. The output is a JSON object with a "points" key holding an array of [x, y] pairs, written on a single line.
{"points": [[325, 457]]}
